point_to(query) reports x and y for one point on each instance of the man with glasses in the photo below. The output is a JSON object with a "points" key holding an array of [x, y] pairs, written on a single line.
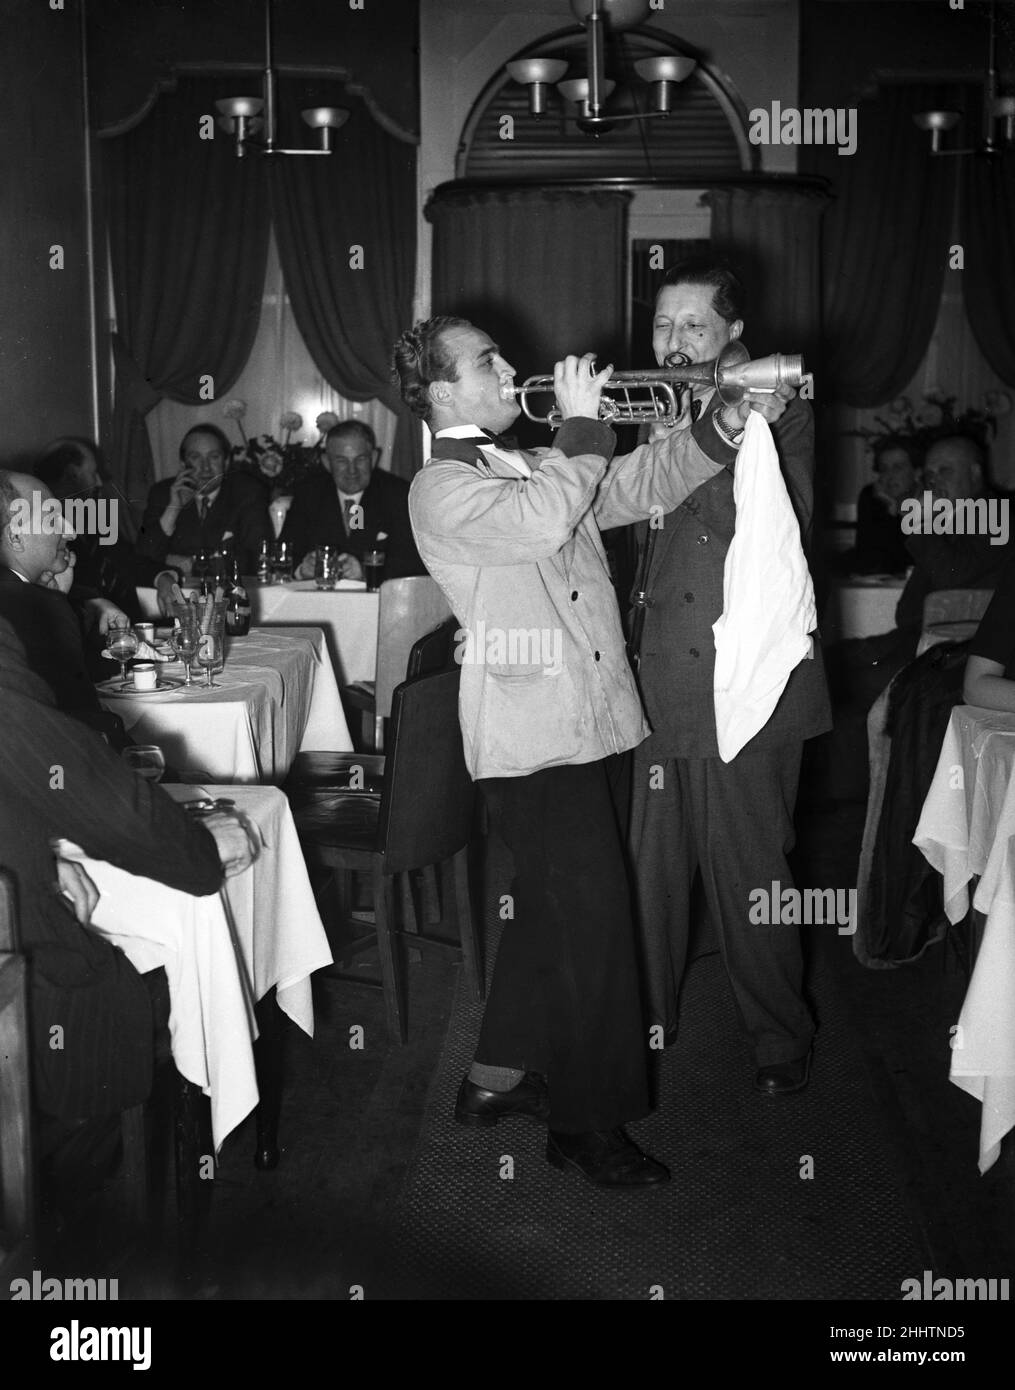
{"points": [[205, 507], [353, 507]]}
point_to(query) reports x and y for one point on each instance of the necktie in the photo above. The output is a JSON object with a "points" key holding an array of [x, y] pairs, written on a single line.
{"points": [[202, 509], [348, 510], [695, 409]]}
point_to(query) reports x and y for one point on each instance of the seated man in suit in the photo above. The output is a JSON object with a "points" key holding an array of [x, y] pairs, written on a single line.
{"points": [[205, 507], [358, 507], [34, 558], [91, 1015]]}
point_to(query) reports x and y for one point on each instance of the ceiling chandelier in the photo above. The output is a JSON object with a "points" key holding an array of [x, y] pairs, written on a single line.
{"points": [[251, 120], [996, 109], [590, 93]]}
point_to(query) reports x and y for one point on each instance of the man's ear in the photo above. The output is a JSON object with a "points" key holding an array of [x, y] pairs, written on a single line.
{"points": [[439, 393], [736, 328]]}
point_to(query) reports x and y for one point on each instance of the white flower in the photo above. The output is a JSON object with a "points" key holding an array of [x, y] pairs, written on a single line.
{"points": [[997, 403], [234, 409], [270, 463], [291, 421], [327, 420]]}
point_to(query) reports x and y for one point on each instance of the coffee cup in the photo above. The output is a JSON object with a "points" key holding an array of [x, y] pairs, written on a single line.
{"points": [[145, 675], [145, 632]]}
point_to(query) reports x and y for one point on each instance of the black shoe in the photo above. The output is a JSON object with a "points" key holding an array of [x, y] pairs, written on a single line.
{"points": [[608, 1158], [476, 1106], [783, 1078]]}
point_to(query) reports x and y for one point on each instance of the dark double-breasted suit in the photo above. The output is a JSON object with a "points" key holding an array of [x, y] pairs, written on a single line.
{"points": [[238, 517], [690, 810]]}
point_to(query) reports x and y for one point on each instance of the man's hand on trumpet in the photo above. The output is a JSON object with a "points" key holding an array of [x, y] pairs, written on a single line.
{"points": [[578, 386], [770, 404]]}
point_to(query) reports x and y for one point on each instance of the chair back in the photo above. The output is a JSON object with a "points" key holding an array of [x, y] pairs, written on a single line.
{"points": [[434, 651], [955, 606], [426, 808], [17, 1199], [408, 609]]}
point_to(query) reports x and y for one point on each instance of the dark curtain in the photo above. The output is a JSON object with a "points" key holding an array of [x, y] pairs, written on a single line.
{"points": [[885, 248], [363, 195], [188, 229], [772, 235], [988, 237], [543, 271]]}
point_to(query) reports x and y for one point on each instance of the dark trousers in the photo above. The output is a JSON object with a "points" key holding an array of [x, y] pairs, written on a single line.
{"points": [[564, 999], [733, 822]]}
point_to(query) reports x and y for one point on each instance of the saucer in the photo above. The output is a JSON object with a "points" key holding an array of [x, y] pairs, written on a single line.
{"points": [[127, 688]]}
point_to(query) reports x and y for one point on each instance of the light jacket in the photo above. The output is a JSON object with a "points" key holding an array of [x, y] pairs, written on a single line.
{"points": [[545, 676]]}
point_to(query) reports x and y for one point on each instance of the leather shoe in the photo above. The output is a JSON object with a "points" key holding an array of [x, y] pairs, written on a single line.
{"points": [[608, 1158], [477, 1106], [783, 1078]]}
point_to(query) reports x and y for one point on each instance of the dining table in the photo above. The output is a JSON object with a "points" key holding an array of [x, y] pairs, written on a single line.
{"points": [[275, 695], [347, 614], [861, 606], [224, 952], [966, 832]]}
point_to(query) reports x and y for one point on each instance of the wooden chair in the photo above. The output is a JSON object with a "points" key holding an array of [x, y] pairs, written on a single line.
{"points": [[408, 609], [423, 817], [17, 1175]]}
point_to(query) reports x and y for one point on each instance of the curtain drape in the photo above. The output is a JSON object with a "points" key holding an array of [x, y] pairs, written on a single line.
{"points": [[988, 239], [188, 230], [885, 248], [346, 232], [541, 270], [772, 234]]}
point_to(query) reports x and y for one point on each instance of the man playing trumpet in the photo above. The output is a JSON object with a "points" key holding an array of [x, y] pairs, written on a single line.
{"points": [[691, 811], [512, 537]]}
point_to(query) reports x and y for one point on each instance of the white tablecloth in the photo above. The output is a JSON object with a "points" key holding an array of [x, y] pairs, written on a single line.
{"points": [[966, 829], [347, 615], [220, 963], [278, 694], [861, 608]]}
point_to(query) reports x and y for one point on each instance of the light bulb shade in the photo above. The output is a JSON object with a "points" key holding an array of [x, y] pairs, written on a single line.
{"points": [[622, 14], [325, 117], [576, 89], [936, 120], [665, 67], [529, 70], [251, 125], [240, 106]]}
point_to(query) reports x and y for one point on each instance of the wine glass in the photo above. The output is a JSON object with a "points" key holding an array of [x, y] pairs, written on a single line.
{"points": [[183, 640], [121, 643], [209, 653], [146, 760]]}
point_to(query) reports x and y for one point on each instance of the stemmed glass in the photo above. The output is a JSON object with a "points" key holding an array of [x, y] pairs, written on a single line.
{"points": [[147, 760], [209, 652], [121, 643], [184, 641]]}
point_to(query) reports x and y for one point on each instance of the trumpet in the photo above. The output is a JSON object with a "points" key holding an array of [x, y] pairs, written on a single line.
{"points": [[634, 398]]}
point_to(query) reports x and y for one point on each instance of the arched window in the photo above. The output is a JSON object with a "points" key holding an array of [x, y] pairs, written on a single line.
{"points": [[705, 137]]}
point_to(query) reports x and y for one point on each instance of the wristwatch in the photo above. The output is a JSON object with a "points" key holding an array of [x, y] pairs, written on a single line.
{"points": [[732, 437]]}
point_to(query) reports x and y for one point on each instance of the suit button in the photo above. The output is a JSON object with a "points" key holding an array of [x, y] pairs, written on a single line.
{"points": [[688, 598], [596, 655], [703, 540], [574, 595], [695, 652]]}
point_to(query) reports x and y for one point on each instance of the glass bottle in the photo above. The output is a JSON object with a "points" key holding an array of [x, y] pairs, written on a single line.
{"points": [[237, 604]]}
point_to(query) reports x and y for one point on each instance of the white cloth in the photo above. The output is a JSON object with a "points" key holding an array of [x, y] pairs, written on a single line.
{"points": [[967, 829], [348, 616], [277, 694], [219, 962], [768, 598]]}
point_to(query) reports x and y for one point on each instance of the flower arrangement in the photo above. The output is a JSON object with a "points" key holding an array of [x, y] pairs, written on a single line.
{"points": [[282, 465], [936, 418]]}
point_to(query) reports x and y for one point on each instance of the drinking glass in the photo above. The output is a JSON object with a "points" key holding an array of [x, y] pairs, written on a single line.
{"points": [[373, 568], [201, 571], [121, 643], [326, 567], [209, 650], [147, 760], [211, 642], [184, 637], [283, 562]]}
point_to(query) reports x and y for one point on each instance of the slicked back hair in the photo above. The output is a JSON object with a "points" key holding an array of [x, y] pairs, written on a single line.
{"points": [[420, 358]]}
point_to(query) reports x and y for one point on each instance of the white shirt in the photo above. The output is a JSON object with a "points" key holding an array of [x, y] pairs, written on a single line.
{"points": [[505, 455]]}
